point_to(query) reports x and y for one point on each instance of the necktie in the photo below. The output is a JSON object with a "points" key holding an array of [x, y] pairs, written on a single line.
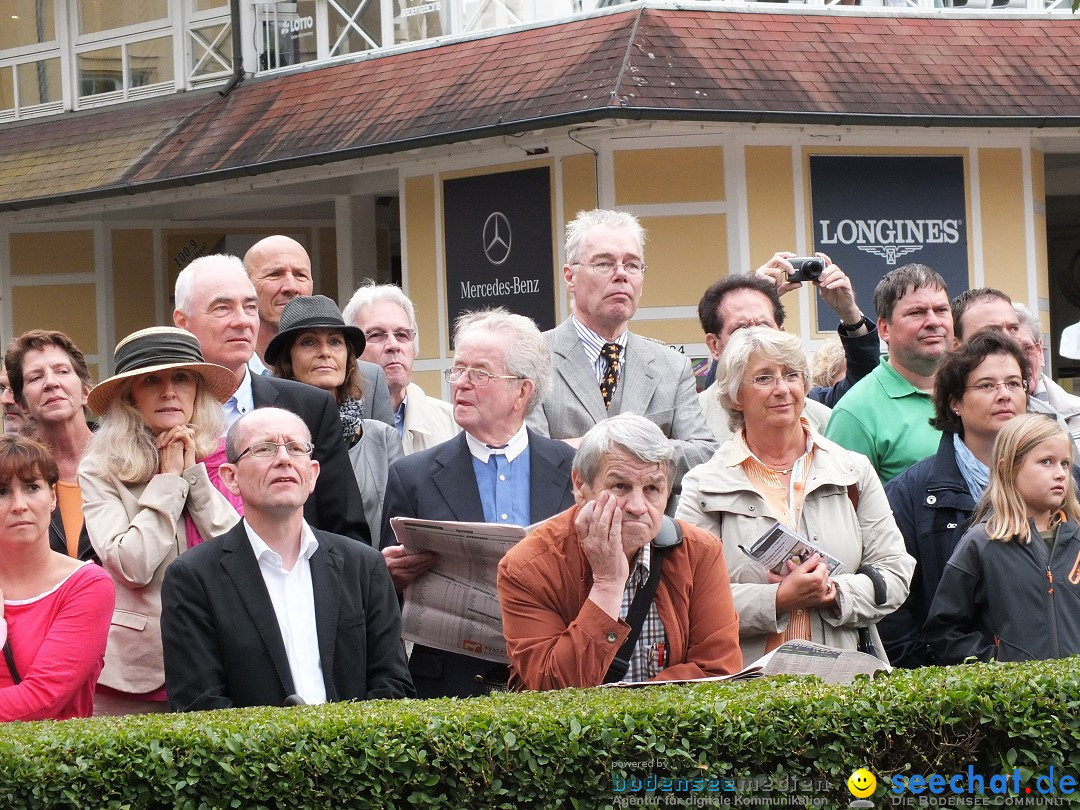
{"points": [[610, 380]]}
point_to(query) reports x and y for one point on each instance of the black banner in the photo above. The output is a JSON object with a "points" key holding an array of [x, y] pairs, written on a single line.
{"points": [[874, 214], [498, 244]]}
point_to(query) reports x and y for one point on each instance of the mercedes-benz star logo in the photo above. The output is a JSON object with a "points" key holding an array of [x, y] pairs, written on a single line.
{"points": [[497, 238]]}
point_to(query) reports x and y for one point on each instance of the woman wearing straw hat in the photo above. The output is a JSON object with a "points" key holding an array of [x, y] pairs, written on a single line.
{"points": [[315, 346], [148, 498]]}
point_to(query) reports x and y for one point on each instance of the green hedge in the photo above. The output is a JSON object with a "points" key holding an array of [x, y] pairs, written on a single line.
{"points": [[793, 738]]}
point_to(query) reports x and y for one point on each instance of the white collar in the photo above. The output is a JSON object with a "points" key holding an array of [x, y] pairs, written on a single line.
{"points": [[513, 448], [309, 544]]}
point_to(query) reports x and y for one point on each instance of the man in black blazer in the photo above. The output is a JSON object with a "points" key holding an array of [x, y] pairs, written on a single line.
{"points": [[501, 371], [273, 610], [216, 302]]}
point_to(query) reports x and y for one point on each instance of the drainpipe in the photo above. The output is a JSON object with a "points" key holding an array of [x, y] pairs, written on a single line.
{"points": [[237, 49]]}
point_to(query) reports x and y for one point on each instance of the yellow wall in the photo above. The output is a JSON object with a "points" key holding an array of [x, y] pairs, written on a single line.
{"points": [[770, 202], [684, 255], [579, 185], [649, 176], [419, 220], [36, 308], [1004, 238], [51, 252], [133, 281]]}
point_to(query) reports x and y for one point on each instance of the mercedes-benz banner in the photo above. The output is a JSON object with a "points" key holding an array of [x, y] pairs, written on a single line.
{"points": [[498, 244], [873, 214]]}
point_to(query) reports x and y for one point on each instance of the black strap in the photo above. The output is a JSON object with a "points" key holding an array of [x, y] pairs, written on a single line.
{"points": [[11, 662], [635, 617]]}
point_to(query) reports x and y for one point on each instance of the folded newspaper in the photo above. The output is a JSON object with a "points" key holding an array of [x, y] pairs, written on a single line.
{"points": [[779, 544], [796, 658], [454, 605]]}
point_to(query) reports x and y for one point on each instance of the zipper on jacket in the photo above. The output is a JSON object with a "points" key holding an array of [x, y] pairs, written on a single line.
{"points": [[1053, 613]]}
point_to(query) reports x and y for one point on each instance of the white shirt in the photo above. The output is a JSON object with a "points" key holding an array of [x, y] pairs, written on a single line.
{"points": [[241, 402], [514, 448], [294, 606]]}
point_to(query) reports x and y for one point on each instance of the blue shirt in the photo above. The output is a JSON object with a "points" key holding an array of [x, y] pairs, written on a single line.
{"points": [[502, 477]]}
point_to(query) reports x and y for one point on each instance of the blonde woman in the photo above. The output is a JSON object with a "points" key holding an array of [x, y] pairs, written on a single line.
{"points": [[148, 498]]}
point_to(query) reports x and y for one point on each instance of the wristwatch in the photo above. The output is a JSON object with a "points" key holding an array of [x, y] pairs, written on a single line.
{"points": [[846, 328]]}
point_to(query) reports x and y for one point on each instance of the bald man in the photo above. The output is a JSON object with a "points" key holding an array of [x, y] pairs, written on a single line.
{"points": [[280, 269]]}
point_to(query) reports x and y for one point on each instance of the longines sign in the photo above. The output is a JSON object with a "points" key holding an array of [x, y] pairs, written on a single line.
{"points": [[498, 244], [873, 214]]}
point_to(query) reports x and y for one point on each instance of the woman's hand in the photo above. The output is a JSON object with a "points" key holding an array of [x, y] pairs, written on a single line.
{"points": [[805, 585], [176, 447]]}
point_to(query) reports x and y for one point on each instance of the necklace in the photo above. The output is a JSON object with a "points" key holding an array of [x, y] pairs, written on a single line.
{"points": [[779, 472]]}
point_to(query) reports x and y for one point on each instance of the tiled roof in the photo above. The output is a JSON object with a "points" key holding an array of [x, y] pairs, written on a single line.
{"points": [[642, 63]]}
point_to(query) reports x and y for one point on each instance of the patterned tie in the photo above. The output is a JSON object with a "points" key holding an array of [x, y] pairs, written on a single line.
{"points": [[610, 380]]}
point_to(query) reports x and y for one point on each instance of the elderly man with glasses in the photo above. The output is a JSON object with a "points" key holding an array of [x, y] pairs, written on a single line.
{"points": [[274, 612], [495, 471], [600, 368]]}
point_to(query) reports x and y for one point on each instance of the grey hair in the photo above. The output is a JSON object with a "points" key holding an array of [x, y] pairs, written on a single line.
{"points": [[634, 435], [528, 355], [1030, 320], [578, 229], [369, 293], [781, 347], [185, 282], [235, 434]]}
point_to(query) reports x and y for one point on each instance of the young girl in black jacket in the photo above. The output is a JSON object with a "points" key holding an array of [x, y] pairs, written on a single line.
{"points": [[1011, 590]]}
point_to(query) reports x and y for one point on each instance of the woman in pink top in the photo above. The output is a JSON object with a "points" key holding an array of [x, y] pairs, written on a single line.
{"points": [[54, 611]]}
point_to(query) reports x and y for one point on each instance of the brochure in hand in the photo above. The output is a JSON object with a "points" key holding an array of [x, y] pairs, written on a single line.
{"points": [[779, 544]]}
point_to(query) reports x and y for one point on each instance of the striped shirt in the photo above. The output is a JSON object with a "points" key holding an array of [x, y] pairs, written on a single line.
{"points": [[592, 343]]}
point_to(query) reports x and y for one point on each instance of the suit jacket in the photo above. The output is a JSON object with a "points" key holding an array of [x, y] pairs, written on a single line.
{"points": [[371, 458], [440, 484], [376, 393], [223, 645], [335, 505], [656, 382], [428, 421], [136, 530]]}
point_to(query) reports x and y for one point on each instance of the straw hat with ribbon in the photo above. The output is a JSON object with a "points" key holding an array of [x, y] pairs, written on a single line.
{"points": [[160, 348]]}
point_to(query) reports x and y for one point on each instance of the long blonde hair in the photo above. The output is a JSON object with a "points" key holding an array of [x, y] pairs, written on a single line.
{"points": [[126, 447], [1005, 512]]}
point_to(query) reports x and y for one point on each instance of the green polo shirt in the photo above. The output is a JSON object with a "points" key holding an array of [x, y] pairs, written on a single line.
{"points": [[887, 419]]}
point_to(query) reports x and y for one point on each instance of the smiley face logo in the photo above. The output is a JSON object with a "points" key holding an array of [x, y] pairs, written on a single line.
{"points": [[862, 783]]}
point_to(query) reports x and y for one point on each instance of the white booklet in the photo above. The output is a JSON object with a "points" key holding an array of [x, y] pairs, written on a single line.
{"points": [[779, 544]]}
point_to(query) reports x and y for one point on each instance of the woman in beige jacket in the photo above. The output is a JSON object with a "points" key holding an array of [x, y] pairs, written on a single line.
{"points": [[145, 497], [777, 468]]}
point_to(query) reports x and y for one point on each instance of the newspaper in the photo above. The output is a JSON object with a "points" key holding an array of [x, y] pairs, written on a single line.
{"points": [[779, 544], [796, 658], [454, 606]]}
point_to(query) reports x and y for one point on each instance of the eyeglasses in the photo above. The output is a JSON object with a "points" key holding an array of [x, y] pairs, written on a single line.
{"points": [[269, 449], [605, 267], [477, 376], [987, 387], [400, 335], [767, 381]]}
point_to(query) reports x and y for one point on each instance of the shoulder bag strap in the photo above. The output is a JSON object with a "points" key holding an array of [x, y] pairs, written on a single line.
{"points": [[11, 662]]}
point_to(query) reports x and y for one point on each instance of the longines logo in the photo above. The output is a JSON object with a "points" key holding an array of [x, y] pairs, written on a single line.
{"points": [[890, 238], [497, 238]]}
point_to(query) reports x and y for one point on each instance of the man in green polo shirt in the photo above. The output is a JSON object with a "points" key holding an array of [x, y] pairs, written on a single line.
{"points": [[886, 415]]}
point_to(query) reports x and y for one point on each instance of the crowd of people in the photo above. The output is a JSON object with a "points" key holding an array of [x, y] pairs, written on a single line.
{"points": [[210, 526]]}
